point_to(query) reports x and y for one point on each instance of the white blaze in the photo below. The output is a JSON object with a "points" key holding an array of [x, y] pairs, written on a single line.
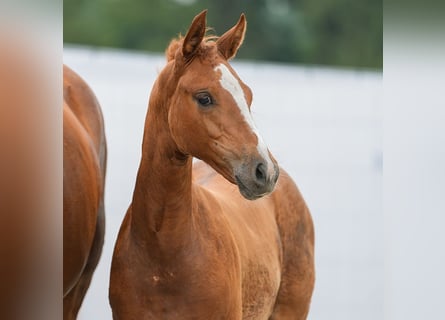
{"points": [[232, 85]]}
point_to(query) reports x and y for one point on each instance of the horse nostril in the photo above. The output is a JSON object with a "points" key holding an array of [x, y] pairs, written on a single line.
{"points": [[260, 174]]}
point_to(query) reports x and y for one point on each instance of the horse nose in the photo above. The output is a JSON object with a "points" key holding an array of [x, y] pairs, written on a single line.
{"points": [[256, 178], [260, 174]]}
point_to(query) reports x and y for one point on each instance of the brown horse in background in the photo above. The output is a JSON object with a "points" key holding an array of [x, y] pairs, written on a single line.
{"points": [[84, 163], [227, 238]]}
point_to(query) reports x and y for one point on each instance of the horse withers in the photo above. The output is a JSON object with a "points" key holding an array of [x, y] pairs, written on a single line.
{"points": [[229, 237], [84, 163]]}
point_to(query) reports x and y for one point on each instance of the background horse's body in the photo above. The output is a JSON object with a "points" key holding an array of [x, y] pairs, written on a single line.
{"points": [[192, 244], [84, 162]]}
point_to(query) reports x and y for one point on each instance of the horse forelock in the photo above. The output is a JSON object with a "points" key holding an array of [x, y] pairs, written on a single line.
{"points": [[173, 49]]}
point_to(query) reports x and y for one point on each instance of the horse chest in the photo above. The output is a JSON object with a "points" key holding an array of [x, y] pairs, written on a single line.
{"points": [[259, 254], [260, 285], [212, 292], [254, 263]]}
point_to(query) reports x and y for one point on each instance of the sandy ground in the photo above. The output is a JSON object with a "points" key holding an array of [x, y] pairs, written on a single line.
{"points": [[323, 125]]}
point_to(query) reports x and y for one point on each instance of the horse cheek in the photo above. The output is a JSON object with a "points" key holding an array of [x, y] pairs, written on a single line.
{"points": [[176, 129]]}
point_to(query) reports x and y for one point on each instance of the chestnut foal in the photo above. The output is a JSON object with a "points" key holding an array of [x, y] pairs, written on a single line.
{"points": [[84, 163], [193, 244]]}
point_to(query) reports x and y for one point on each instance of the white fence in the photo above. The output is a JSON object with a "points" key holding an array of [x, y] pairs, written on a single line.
{"points": [[323, 125]]}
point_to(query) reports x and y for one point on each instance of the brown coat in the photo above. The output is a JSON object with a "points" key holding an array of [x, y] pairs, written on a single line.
{"points": [[84, 162]]}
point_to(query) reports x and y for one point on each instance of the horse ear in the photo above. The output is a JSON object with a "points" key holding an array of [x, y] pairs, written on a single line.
{"points": [[229, 43], [195, 34]]}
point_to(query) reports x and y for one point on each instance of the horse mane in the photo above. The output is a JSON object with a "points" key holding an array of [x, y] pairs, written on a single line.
{"points": [[176, 43]]}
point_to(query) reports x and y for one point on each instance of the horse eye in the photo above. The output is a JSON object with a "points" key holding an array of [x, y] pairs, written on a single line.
{"points": [[204, 99]]}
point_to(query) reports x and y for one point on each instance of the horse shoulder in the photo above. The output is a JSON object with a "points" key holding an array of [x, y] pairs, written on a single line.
{"points": [[292, 211], [172, 286], [297, 239]]}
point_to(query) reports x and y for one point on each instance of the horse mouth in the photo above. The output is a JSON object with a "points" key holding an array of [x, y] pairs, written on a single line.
{"points": [[246, 192]]}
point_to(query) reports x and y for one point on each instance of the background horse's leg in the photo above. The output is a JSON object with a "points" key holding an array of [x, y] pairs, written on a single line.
{"points": [[73, 300]]}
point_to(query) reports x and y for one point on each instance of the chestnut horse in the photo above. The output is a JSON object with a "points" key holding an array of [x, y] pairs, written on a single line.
{"points": [[84, 163], [224, 239]]}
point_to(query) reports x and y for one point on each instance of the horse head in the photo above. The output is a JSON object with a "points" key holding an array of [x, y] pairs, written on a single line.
{"points": [[209, 109]]}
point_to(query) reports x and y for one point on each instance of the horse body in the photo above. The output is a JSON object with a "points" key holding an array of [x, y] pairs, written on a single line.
{"points": [[207, 272], [192, 245], [84, 162]]}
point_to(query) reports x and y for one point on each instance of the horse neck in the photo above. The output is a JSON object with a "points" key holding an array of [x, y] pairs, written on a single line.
{"points": [[162, 197]]}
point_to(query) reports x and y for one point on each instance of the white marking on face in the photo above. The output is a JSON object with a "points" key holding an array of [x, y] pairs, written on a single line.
{"points": [[232, 85]]}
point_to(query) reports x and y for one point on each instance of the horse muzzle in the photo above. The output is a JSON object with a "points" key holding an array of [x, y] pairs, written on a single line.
{"points": [[256, 179]]}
